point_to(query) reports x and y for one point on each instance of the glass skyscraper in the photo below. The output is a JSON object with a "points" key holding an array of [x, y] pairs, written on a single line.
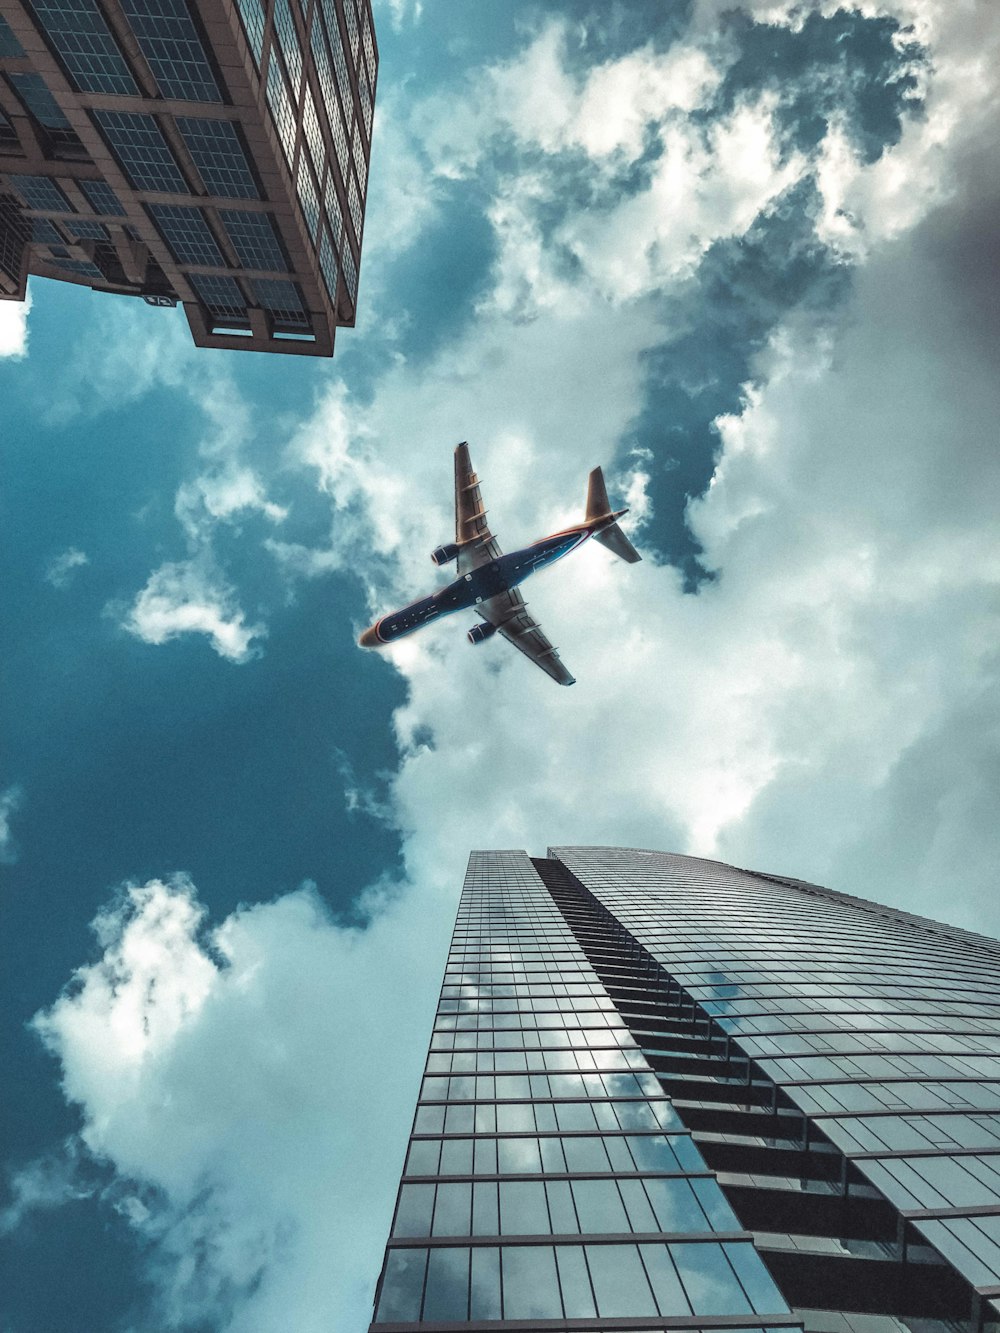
{"points": [[212, 152], [663, 1092]]}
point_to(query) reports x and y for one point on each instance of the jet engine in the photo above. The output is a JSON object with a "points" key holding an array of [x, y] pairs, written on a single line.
{"points": [[444, 555], [480, 633]]}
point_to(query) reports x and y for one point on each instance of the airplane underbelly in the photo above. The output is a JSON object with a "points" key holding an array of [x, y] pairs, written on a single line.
{"points": [[410, 618]]}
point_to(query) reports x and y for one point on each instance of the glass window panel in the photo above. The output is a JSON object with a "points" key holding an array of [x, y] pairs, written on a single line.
{"points": [[575, 1115], [447, 1294], [485, 1215], [585, 1154], [709, 1280], [664, 1280], [40, 192], [102, 198], [561, 1211], [141, 149], [429, 1120], [485, 1286], [170, 42], [402, 1286], [636, 1115], [523, 1211], [221, 296], [85, 46], [640, 1215], [485, 1157], [518, 1156], [717, 1209], [413, 1216], [552, 1154], [217, 151], [757, 1282], [453, 1210], [515, 1118], [675, 1206], [35, 94], [9, 45], [486, 1119], [187, 234], [252, 15], [422, 1159], [530, 1285], [576, 1293], [456, 1157], [599, 1207], [620, 1286]]}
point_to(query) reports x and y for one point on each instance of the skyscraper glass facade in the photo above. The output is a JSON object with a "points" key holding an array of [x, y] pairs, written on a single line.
{"points": [[154, 119], [664, 1092]]}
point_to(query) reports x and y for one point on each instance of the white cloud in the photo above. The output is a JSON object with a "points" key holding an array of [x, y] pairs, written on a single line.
{"points": [[60, 569], [191, 597], [252, 1109], [10, 802], [14, 327]]}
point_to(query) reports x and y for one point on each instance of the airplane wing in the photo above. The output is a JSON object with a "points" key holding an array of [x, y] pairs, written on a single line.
{"points": [[517, 625], [470, 517]]}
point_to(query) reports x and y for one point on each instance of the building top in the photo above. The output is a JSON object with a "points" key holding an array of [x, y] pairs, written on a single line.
{"points": [[209, 153]]}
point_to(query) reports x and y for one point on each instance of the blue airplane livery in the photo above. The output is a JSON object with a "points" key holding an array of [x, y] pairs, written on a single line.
{"points": [[487, 581]]}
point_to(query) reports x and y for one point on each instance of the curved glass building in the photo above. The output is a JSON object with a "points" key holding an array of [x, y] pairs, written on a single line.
{"points": [[663, 1092]]}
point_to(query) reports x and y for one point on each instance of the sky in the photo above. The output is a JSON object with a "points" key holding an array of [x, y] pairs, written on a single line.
{"points": [[744, 256]]}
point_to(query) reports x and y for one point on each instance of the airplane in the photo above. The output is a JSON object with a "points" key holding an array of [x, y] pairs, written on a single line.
{"points": [[487, 579]]}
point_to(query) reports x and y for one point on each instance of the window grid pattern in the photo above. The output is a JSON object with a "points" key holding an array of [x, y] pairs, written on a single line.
{"points": [[314, 136], [254, 239], [34, 92], [140, 147], [85, 45], [217, 151], [9, 45], [40, 192], [220, 296], [540, 1117], [85, 229], [252, 18], [308, 197], [288, 41], [45, 233], [882, 1027], [82, 267], [169, 40], [328, 264], [350, 268], [102, 198], [334, 214], [280, 104], [281, 299], [187, 234]]}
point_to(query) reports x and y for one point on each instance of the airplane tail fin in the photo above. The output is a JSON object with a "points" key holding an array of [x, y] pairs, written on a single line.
{"points": [[597, 496], [598, 506]]}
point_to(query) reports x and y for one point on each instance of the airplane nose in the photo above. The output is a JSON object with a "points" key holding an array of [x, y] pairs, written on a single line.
{"points": [[369, 639]]}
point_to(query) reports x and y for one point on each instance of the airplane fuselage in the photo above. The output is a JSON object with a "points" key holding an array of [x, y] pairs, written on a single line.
{"points": [[489, 580]]}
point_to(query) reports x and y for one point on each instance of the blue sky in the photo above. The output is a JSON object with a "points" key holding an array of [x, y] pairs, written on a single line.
{"points": [[741, 255]]}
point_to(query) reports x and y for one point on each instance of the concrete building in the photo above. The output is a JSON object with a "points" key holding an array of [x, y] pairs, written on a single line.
{"points": [[213, 153], [664, 1093]]}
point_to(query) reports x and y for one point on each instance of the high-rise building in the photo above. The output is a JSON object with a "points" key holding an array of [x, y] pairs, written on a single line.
{"points": [[663, 1092], [212, 152]]}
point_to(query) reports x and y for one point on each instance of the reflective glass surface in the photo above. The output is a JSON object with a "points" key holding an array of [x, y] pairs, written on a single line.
{"points": [[170, 42], [218, 153], [145, 157], [85, 46], [539, 1116]]}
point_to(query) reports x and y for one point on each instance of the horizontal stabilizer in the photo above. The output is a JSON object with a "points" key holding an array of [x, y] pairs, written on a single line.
{"points": [[597, 496], [615, 540]]}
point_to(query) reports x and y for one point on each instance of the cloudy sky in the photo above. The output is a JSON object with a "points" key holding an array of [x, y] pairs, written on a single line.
{"points": [[745, 256]]}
